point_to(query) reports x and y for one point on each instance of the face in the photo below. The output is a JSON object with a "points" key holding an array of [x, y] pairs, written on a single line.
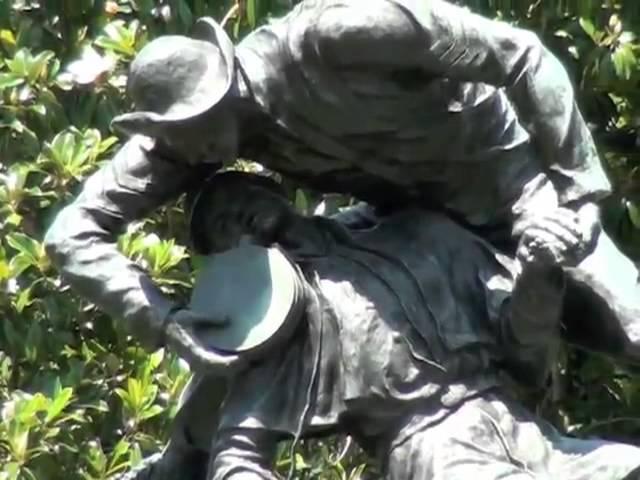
{"points": [[208, 138], [247, 210]]}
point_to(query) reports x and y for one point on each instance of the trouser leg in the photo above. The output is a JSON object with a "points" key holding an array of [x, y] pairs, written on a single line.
{"points": [[492, 437], [243, 454], [465, 445]]}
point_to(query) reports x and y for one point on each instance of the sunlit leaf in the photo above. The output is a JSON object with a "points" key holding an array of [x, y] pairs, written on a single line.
{"points": [[135, 455], [38, 64], [18, 64], [251, 13], [10, 471], [634, 214], [10, 79], [25, 245], [150, 412], [589, 28], [97, 459], [59, 403], [4, 270], [117, 456], [7, 38], [624, 61], [118, 37], [301, 203], [23, 300]]}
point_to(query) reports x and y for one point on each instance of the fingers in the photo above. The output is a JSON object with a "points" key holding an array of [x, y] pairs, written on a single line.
{"points": [[562, 218], [560, 225], [550, 229], [541, 246], [187, 345], [548, 242], [561, 236], [584, 224], [226, 364]]}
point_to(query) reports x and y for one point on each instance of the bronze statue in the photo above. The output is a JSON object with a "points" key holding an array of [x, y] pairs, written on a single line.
{"points": [[401, 103]]}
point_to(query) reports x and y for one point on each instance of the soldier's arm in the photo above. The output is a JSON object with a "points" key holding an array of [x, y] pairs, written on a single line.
{"points": [[532, 317], [449, 41], [82, 239], [247, 453], [530, 323]]}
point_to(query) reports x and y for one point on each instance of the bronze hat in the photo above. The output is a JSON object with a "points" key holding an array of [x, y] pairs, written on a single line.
{"points": [[175, 77]]}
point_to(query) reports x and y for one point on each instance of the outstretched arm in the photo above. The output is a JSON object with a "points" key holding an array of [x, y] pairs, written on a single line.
{"points": [[449, 41], [82, 239], [532, 318]]}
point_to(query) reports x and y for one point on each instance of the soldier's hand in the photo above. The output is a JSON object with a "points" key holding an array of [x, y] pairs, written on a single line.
{"points": [[561, 237], [182, 337]]}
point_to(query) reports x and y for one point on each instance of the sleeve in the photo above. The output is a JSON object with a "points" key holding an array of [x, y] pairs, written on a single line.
{"points": [[442, 39], [82, 239], [245, 452]]}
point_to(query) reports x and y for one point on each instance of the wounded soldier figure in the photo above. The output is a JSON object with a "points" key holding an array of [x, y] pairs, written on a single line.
{"points": [[412, 331]]}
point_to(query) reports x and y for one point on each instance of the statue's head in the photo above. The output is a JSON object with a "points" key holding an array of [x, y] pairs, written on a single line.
{"points": [[235, 204], [180, 86]]}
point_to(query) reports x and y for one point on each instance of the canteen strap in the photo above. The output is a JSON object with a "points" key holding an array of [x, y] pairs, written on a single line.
{"points": [[315, 313]]}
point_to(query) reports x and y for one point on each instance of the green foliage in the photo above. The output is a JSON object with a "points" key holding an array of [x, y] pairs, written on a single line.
{"points": [[79, 398]]}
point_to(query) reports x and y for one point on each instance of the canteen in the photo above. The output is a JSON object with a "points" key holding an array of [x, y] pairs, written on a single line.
{"points": [[257, 290]]}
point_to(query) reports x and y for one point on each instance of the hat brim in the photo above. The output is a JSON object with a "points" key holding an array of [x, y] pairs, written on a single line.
{"points": [[221, 59]]}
